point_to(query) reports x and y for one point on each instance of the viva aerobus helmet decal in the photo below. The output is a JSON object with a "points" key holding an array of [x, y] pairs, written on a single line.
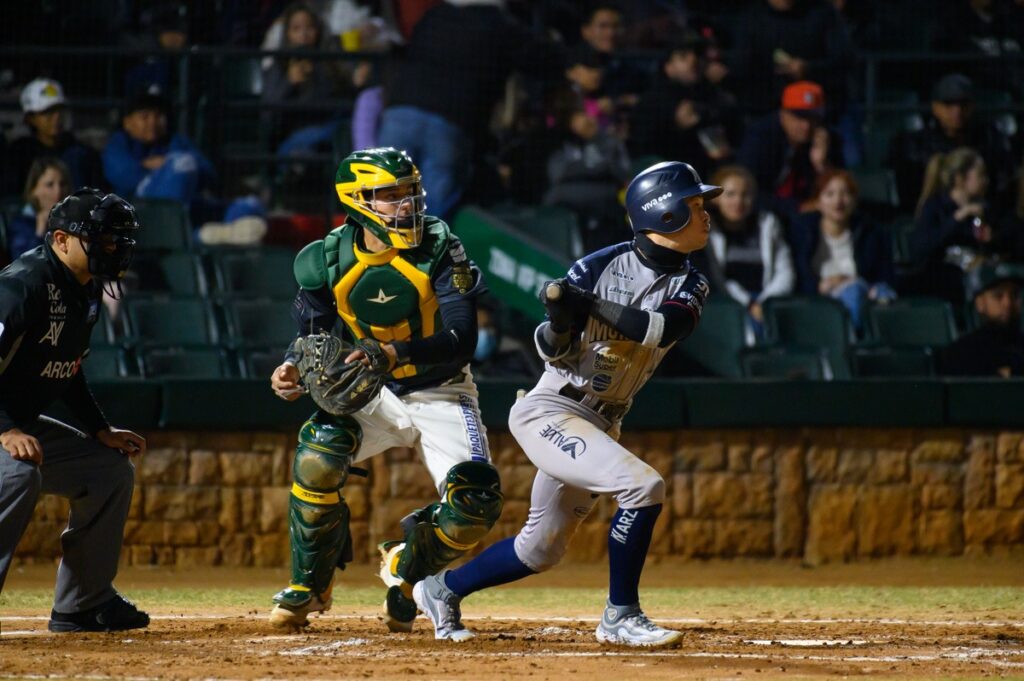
{"points": [[363, 174], [656, 198], [106, 226]]}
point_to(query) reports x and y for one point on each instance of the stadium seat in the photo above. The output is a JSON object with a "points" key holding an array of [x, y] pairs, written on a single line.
{"points": [[719, 338], [179, 274], [554, 226], [103, 332], [260, 363], [262, 273], [259, 323], [813, 365], [885, 362], [877, 187], [912, 322], [184, 362], [164, 225], [169, 322], [806, 323], [105, 362]]}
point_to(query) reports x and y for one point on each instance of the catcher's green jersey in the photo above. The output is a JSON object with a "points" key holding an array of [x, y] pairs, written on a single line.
{"points": [[393, 295]]}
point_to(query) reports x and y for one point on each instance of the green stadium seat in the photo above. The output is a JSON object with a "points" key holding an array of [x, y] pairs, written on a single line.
{"points": [[178, 274], [169, 322], [259, 323], [105, 362], [877, 187], [719, 338], [260, 363], [164, 225], [882, 362], [103, 332], [183, 362], [812, 365], [554, 226], [912, 322], [263, 273], [810, 323]]}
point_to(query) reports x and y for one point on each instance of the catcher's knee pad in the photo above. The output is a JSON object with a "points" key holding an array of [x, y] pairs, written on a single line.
{"points": [[440, 533], [318, 515]]}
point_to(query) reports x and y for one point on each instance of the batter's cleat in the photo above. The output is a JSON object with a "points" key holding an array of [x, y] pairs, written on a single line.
{"points": [[117, 614], [293, 606], [443, 607], [627, 625]]}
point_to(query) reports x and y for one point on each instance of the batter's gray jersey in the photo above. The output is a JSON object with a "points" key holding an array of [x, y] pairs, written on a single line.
{"points": [[602, 362]]}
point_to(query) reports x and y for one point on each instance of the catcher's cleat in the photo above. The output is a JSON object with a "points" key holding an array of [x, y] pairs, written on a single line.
{"points": [[443, 607], [117, 614], [627, 625], [390, 552], [292, 607], [399, 610]]}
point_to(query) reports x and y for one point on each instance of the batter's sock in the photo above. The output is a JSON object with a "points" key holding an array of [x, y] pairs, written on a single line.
{"points": [[628, 541], [499, 564]]}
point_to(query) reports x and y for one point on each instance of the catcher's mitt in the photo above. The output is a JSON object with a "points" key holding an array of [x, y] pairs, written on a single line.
{"points": [[336, 387]]}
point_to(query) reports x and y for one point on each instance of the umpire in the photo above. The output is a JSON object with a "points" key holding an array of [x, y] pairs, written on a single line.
{"points": [[50, 299]]}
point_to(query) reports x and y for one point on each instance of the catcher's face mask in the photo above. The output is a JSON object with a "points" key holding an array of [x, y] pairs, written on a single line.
{"points": [[399, 208]]}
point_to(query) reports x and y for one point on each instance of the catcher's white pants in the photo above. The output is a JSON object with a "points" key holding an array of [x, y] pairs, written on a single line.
{"points": [[442, 424]]}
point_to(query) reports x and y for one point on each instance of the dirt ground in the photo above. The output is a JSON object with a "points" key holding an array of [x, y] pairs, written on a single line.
{"points": [[517, 639]]}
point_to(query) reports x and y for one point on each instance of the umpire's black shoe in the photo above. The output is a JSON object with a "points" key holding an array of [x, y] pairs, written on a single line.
{"points": [[117, 614]]}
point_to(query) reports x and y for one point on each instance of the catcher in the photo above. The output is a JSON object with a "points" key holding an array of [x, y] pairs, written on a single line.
{"points": [[405, 293]]}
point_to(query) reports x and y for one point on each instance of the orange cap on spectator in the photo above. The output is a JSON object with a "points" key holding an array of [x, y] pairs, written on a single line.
{"points": [[803, 95]]}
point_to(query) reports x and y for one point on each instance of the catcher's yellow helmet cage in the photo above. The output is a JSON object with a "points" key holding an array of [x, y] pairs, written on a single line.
{"points": [[362, 174]]}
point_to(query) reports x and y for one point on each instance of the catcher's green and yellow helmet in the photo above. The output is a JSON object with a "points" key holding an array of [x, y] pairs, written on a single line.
{"points": [[362, 174]]}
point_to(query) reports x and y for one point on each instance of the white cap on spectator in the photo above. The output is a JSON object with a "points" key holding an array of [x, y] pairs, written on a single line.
{"points": [[41, 94]]}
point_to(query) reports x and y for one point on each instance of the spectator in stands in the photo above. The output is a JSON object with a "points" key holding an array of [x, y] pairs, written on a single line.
{"points": [[749, 258], [996, 347], [838, 253], [495, 356], [144, 159], [49, 181], [297, 80], [984, 26], [788, 150], [443, 90], [953, 226], [165, 29], [586, 74], [683, 115], [44, 106], [601, 30], [586, 172], [778, 42], [951, 125]]}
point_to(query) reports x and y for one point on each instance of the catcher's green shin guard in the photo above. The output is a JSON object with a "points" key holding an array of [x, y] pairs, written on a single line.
{"points": [[471, 505], [318, 516]]}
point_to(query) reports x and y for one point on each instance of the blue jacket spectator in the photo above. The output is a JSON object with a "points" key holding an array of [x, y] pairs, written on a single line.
{"points": [[837, 253], [143, 160]]}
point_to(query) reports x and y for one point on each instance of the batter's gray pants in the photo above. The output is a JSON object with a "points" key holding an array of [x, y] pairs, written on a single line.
{"points": [[98, 481]]}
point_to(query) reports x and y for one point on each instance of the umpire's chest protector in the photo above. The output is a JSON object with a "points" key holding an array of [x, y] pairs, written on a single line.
{"points": [[387, 295]]}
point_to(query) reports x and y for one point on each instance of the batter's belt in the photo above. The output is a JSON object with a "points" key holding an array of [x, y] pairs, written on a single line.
{"points": [[612, 412]]}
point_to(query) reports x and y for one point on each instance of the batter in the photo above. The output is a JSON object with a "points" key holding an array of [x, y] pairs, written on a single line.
{"points": [[610, 322]]}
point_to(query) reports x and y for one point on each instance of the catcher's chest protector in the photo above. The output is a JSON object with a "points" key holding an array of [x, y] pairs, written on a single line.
{"points": [[386, 295]]}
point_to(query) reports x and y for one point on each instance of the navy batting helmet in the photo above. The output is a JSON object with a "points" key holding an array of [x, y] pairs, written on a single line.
{"points": [[656, 198]]}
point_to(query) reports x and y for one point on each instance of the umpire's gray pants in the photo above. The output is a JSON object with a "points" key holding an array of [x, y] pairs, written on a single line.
{"points": [[98, 481]]}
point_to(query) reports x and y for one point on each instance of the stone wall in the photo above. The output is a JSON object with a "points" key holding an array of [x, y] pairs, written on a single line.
{"points": [[817, 494]]}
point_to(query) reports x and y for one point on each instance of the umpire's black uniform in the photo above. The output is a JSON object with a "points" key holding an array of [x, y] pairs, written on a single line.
{"points": [[46, 319]]}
